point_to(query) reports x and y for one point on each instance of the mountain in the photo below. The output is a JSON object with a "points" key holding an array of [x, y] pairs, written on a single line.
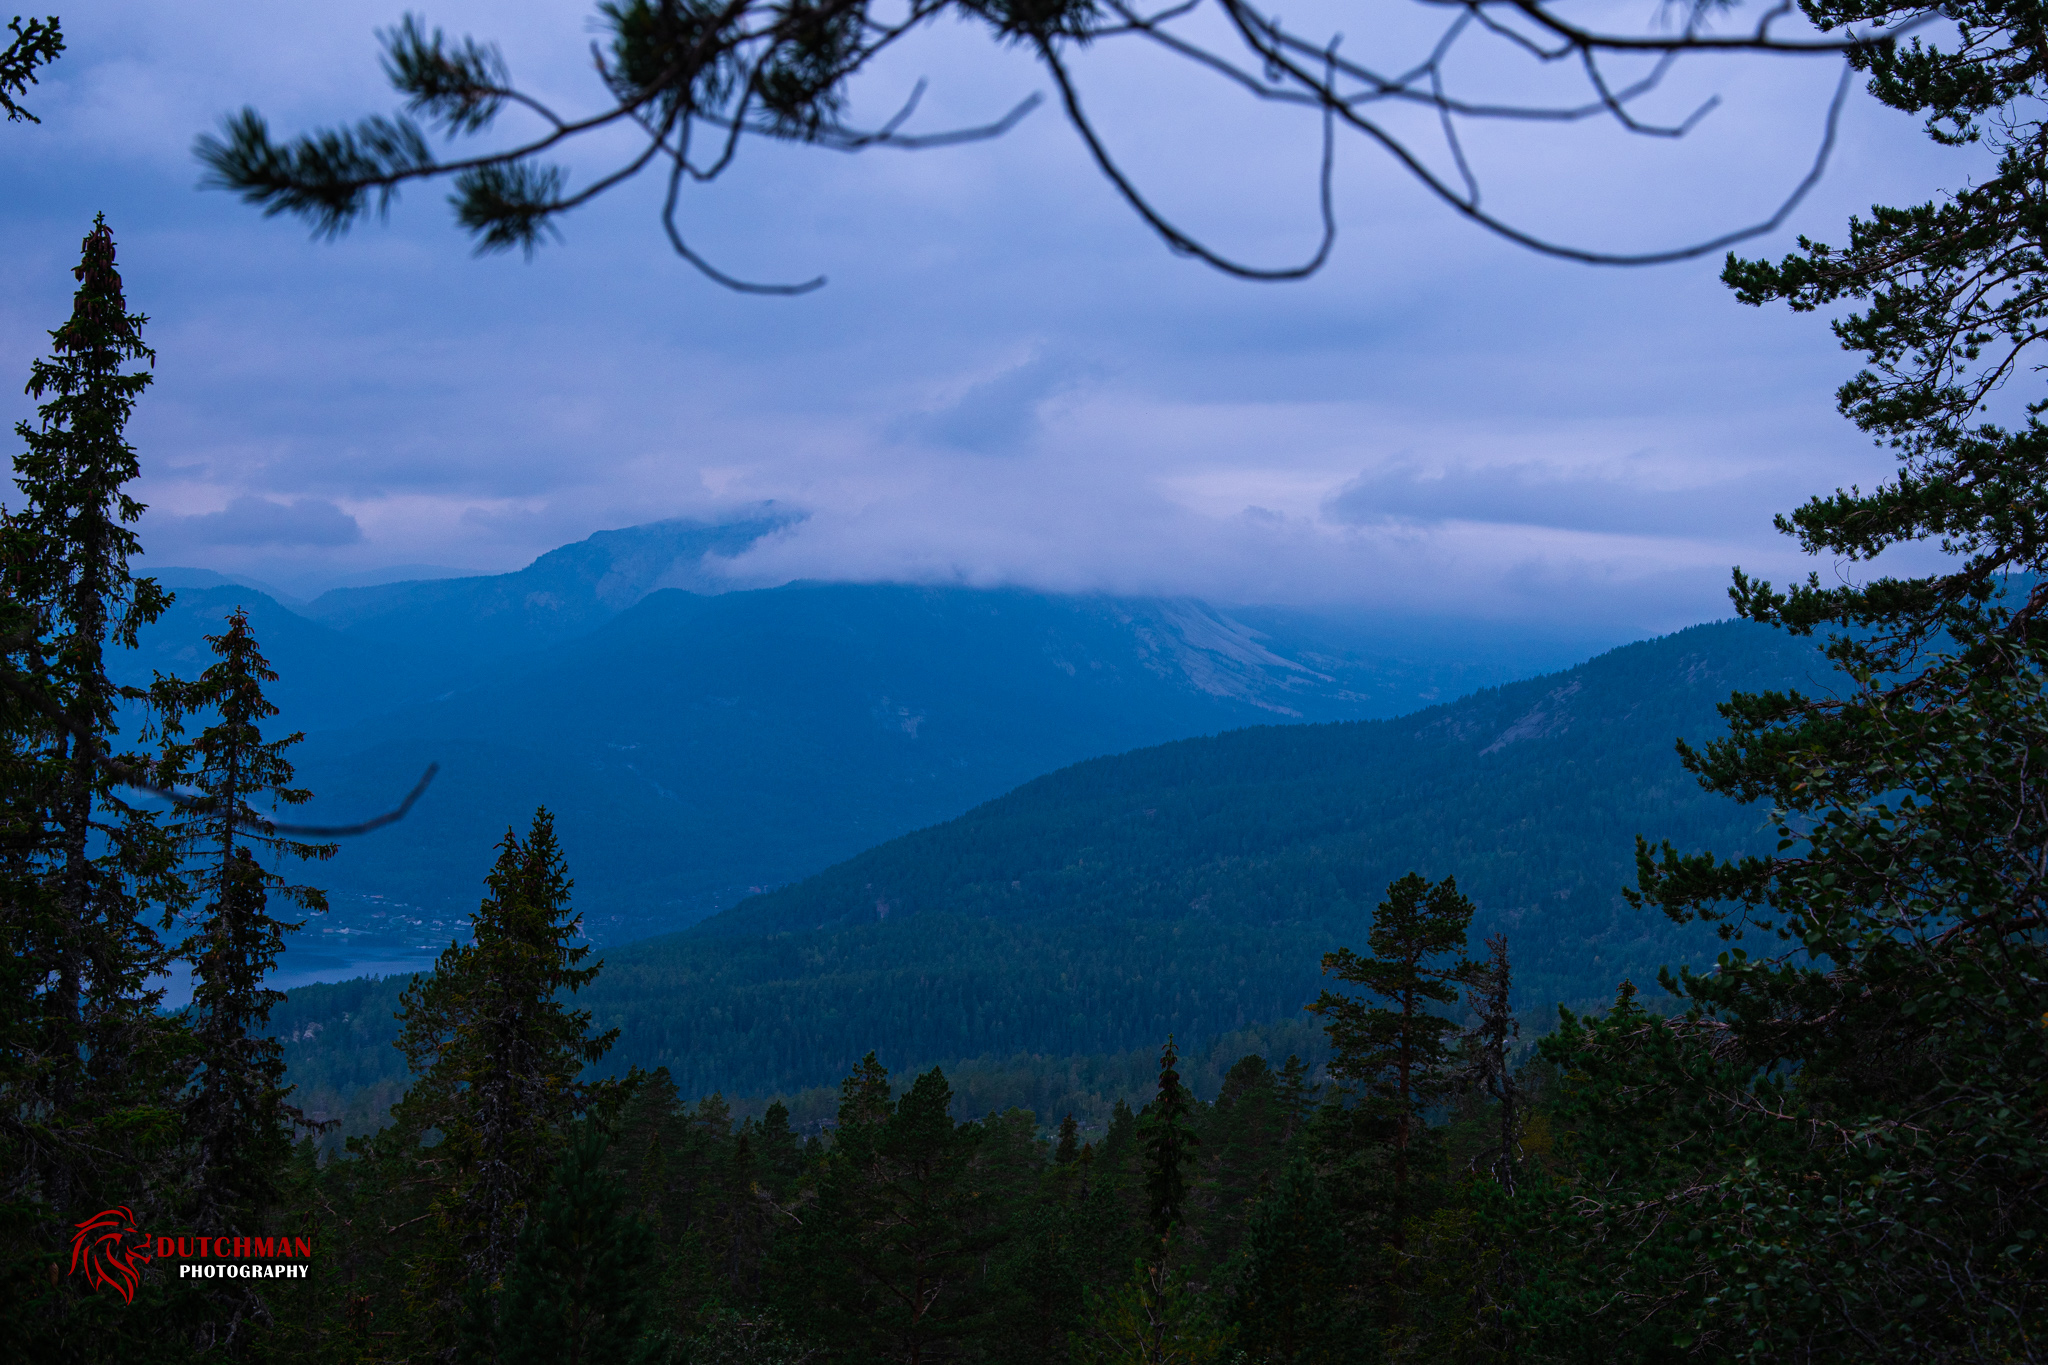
{"points": [[697, 743], [1190, 887], [564, 593], [696, 746]]}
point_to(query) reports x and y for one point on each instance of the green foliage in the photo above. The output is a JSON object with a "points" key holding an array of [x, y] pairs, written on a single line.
{"points": [[1153, 1318], [1401, 1057], [898, 1228], [1169, 1145], [1287, 1283], [90, 1067], [496, 1054], [576, 1292], [236, 1112], [36, 43]]}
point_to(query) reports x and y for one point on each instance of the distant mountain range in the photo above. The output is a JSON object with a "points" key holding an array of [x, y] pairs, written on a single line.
{"points": [[698, 743], [1188, 888]]}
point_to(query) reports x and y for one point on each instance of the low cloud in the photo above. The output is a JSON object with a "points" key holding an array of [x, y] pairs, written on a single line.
{"points": [[252, 520], [1620, 500]]}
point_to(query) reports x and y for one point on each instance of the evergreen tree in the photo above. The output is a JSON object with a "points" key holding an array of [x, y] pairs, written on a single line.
{"points": [[1835, 1150], [1400, 1053], [1297, 1095], [237, 1114], [1287, 1281], [496, 1051], [1068, 1150], [35, 43], [889, 1257], [575, 1290], [1489, 1048], [93, 1065], [1166, 1134]]}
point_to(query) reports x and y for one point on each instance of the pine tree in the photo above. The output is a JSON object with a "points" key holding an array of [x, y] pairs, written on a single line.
{"points": [[1835, 1149], [1401, 1056], [237, 1114], [889, 1260], [496, 1052]]}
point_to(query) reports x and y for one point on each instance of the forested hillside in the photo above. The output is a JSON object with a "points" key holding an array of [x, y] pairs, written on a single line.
{"points": [[1189, 888], [700, 742]]}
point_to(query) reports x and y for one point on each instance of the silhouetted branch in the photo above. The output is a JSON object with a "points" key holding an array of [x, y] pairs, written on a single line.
{"points": [[780, 69], [129, 775], [36, 42]]}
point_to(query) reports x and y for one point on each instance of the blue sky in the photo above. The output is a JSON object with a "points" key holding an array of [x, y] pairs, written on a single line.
{"points": [[1007, 379]]}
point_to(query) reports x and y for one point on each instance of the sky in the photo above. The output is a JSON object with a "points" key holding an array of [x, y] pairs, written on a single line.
{"points": [[1007, 379]]}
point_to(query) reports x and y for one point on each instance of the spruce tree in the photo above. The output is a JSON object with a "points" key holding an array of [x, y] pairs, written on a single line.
{"points": [[1166, 1134], [497, 1052], [237, 1113], [91, 1055], [1067, 1150], [576, 1290]]}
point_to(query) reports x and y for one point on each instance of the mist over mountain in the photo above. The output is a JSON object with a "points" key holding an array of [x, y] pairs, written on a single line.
{"points": [[698, 743]]}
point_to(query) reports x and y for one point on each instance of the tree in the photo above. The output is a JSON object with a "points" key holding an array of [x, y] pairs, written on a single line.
{"points": [[681, 74], [1068, 1150], [237, 1113], [1834, 1149], [1287, 1281], [1401, 1057], [35, 43], [1167, 1137], [497, 1052], [575, 1291], [889, 1258], [92, 1069], [1488, 1048]]}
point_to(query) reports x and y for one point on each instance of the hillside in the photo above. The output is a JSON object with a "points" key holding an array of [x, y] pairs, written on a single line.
{"points": [[698, 743], [1188, 888]]}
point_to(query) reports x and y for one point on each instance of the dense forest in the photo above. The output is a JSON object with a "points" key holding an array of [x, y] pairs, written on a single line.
{"points": [[1831, 1143], [1187, 889]]}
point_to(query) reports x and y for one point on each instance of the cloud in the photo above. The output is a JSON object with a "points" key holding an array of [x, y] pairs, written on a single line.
{"points": [[1620, 500], [253, 521], [988, 301], [997, 415]]}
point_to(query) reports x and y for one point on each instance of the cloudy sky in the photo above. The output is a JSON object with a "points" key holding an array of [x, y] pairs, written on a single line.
{"points": [[1008, 379]]}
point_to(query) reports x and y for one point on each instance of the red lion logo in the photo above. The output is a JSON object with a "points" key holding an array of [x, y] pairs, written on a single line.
{"points": [[112, 1251]]}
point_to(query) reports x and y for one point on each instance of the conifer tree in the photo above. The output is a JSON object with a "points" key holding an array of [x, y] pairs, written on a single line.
{"points": [[1067, 1150], [1297, 1095], [1166, 1134], [237, 1114], [497, 1052], [1488, 1048], [1836, 1150], [575, 1290], [889, 1258], [1287, 1279], [92, 1053], [1400, 1053]]}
